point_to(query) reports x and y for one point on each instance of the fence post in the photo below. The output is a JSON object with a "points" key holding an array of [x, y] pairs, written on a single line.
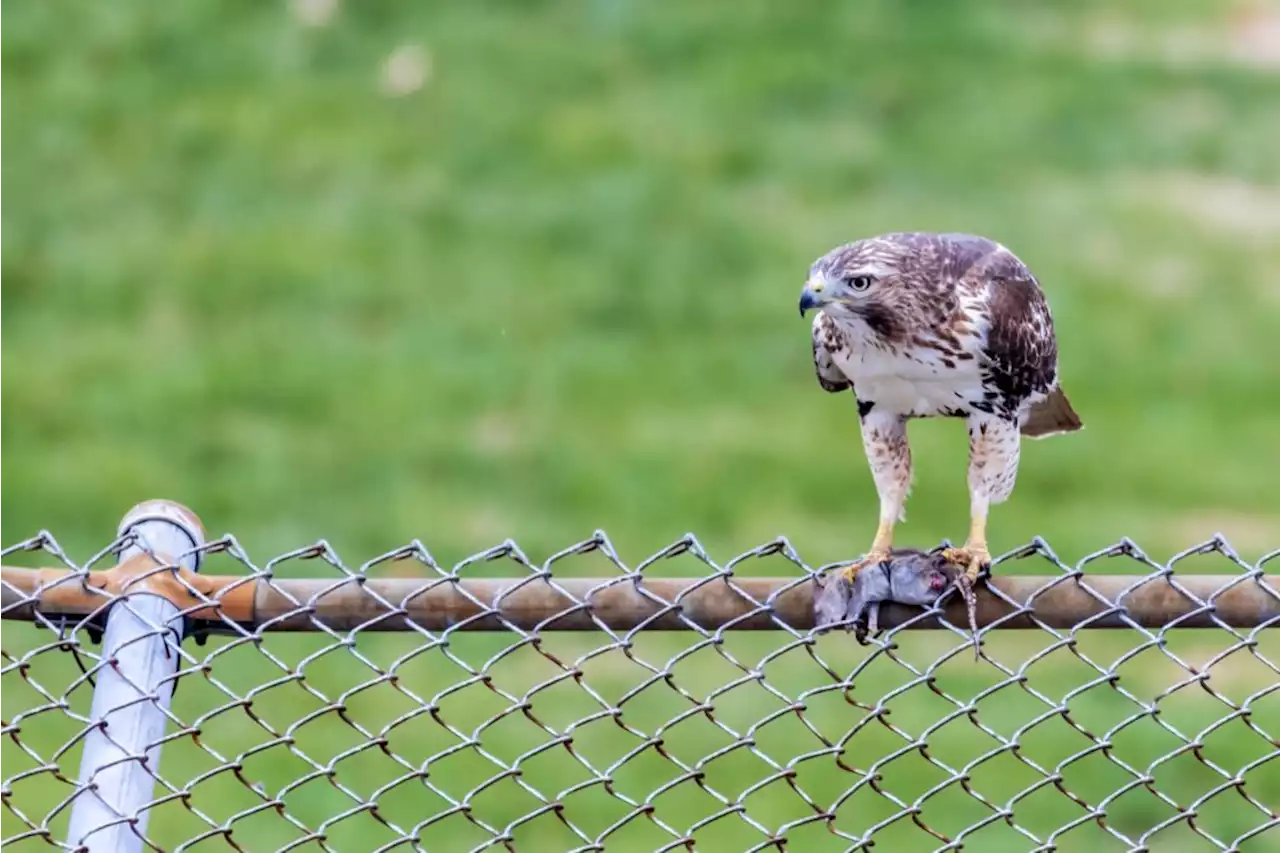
{"points": [[139, 652]]}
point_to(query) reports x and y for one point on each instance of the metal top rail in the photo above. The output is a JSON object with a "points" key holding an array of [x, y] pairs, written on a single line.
{"points": [[631, 600]]}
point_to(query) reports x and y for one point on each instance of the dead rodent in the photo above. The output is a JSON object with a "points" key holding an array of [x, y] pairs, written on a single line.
{"points": [[909, 576]]}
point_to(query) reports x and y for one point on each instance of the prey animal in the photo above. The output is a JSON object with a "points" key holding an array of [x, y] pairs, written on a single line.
{"points": [[908, 576], [924, 325]]}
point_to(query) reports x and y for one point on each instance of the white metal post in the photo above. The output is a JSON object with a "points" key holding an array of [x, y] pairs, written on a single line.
{"points": [[140, 650]]}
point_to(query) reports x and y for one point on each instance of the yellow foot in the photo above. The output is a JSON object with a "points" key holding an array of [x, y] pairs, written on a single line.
{"points": [[973, 559], [874, 556]]}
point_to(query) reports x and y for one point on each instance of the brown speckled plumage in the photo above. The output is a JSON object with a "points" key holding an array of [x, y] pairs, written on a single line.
{"points": [[923, 325], [944, 298]]}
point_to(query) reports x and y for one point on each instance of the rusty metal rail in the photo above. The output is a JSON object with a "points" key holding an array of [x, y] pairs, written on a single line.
{"points": [[626, 602]]}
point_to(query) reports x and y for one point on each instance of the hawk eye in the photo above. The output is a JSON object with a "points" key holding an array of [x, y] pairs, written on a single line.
{"points": [[858, 282]]}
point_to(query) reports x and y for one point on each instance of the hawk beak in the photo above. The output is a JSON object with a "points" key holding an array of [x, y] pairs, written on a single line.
{"points": [[808, 299]]}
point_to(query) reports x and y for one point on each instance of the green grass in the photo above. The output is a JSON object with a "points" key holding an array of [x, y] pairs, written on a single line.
{"points": [[553, 291]]}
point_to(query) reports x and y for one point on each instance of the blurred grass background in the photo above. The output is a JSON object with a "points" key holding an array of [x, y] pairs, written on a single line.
{"points": [[469, 271]]}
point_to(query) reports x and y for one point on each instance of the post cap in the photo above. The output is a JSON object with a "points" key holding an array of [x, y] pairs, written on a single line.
{"points": [[170, 512]]}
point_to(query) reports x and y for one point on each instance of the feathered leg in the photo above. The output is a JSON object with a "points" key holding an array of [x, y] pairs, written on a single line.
{"points": [[884, 437], [994, 448]]}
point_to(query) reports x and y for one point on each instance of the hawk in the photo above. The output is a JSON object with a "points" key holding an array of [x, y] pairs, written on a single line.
{"points": [[923, 325]]}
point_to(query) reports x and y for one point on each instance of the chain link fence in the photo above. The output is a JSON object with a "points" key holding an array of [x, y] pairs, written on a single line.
{"points": [[585, 703]]}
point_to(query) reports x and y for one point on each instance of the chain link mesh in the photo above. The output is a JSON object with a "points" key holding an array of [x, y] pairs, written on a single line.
{"points": [[1123, 739]]}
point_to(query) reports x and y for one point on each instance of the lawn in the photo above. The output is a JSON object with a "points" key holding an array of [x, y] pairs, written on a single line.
{"points": [[463, 272]]}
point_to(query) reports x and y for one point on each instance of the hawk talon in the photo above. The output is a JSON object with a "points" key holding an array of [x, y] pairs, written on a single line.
{"points": [[976, 562], [873, 557]]}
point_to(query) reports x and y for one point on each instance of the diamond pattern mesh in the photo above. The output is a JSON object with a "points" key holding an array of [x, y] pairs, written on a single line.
{"points": [[1128, 738]]}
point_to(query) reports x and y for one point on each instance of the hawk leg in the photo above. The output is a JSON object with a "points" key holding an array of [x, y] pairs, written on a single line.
{"points": [[974, 556], [994, 448], [884, 437], [879, 553]]}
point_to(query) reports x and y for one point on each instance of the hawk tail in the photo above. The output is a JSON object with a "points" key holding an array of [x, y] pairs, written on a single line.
{"points": [[1051, 416]]}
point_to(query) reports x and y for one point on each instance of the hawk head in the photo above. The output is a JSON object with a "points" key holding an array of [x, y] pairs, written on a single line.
{"points": [[888, 283]]}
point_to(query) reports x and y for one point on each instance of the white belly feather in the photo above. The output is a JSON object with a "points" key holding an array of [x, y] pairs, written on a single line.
{"points": [[914, 382]]}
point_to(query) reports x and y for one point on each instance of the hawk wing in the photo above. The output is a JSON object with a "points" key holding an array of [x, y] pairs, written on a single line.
{"points": [[827, 340], [1021, 351]]}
